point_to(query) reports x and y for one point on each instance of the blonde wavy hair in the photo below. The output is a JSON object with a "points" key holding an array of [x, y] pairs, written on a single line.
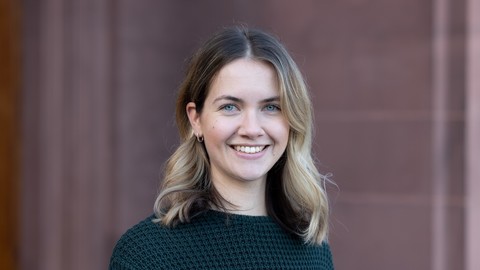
{"points": [[295, 193]]}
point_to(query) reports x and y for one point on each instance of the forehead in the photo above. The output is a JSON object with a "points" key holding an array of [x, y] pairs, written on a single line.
{"points": [[246, 66], [245, 76]]}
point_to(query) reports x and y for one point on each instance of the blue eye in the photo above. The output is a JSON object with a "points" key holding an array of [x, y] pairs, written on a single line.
{"points": [[228, 107], [272, 108]]}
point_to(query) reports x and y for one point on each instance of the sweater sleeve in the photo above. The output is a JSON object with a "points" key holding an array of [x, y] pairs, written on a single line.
{"points": [[124, 255], [327, 258], [130, 249], [121, 259], [119, 264]]}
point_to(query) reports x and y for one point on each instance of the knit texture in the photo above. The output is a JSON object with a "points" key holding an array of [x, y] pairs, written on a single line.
{"points": [[216, 241]]}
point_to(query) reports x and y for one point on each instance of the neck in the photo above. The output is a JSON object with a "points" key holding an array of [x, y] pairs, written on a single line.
{"points": [[245, 198]]}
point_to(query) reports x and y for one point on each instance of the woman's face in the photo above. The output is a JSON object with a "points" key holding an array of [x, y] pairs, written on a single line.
{"points": [[245, 132]]}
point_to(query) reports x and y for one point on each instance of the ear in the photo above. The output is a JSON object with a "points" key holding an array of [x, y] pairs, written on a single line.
{"points": [[194, 118]]}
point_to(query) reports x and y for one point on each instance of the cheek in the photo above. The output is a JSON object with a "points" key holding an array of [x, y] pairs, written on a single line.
{"points": [[218, 131], [280, 135], [282, 130], [212, 125]]}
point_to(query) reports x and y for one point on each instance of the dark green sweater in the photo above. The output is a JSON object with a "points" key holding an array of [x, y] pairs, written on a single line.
{"points": [[215, 241]]}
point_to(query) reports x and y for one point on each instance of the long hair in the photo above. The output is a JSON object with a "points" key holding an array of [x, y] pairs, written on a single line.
{"points": [[295, 195]]}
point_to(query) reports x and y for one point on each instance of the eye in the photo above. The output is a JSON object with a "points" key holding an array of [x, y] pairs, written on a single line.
{"points": [[272, 108], [228, 107]]}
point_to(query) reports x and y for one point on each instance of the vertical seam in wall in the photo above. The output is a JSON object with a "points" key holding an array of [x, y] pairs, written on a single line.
{"points": [[51, 136], [114, 63], [472, 235], [439, 143]]}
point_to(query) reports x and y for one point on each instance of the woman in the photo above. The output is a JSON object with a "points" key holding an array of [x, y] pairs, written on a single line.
{"points": [[241, 191]]}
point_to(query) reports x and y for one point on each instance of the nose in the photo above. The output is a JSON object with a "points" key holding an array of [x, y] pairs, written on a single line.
{"points": [[251, 126]]}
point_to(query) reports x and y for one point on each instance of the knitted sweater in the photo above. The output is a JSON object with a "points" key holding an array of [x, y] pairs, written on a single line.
{"points": [[215, 240]]}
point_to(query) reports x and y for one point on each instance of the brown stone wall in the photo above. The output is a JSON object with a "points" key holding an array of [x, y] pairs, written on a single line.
{"points": [[389, 84]]}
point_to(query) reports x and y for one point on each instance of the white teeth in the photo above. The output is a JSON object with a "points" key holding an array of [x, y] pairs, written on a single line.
{"points": [[249, 149]]}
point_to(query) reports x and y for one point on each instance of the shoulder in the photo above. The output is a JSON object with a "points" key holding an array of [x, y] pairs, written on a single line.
{"points": [[138, 245], [325, 256], [151, 245], [140, 233]]}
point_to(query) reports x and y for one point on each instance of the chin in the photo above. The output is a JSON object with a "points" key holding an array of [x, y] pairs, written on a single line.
{"points": [[252, 177]]}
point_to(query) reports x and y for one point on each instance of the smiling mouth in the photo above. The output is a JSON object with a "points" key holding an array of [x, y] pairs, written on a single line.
{"points": [[249, 149]]}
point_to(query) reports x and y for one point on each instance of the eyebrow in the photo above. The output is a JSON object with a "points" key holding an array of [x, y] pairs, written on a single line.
{"points": [[227, 97], [235, 99]]}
